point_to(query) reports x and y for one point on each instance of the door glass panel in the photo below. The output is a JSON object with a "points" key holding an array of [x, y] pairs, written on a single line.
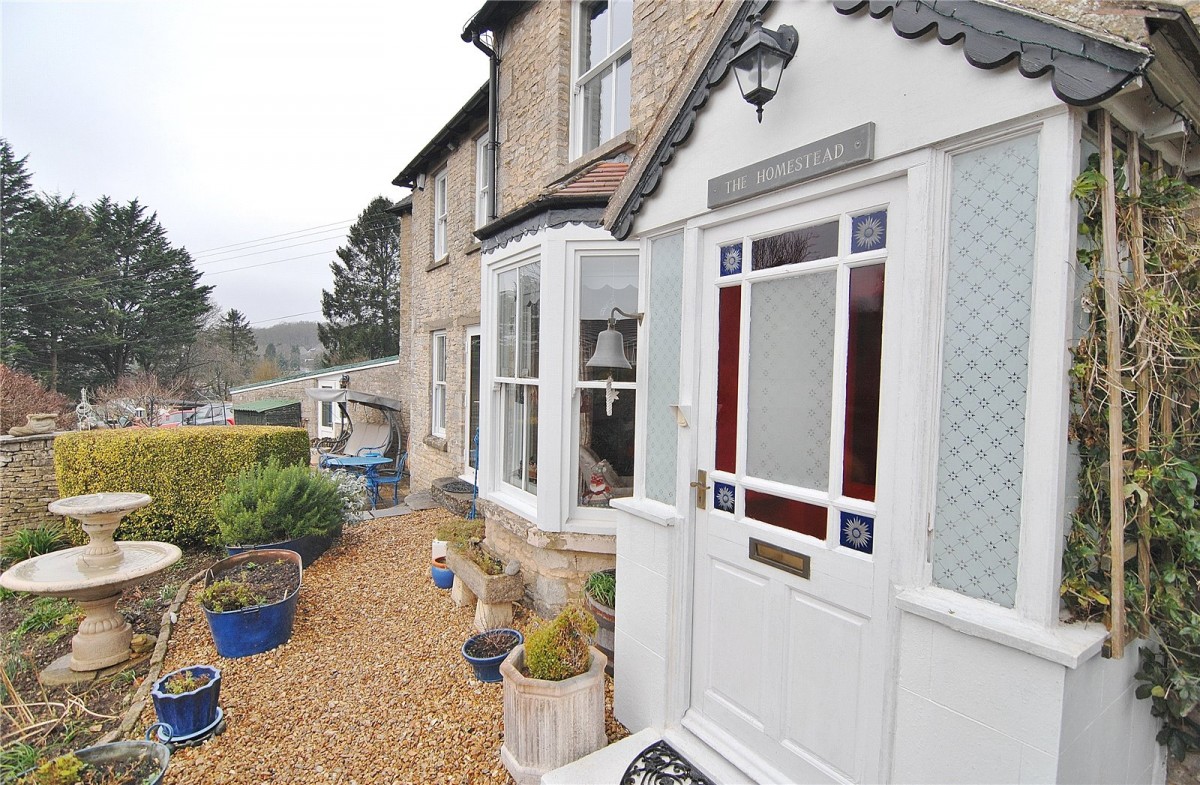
{"points": [[868, 232], [863, 353], [786, 513], [799, 245], [728, 356], [790, 389]]}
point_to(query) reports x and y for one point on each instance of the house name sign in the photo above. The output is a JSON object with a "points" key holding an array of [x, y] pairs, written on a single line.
{"points": [[831, 154]]}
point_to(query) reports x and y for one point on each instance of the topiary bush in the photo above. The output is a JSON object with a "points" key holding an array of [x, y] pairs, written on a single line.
{"points": [[184, 469], [560, 649], [272, 503]]}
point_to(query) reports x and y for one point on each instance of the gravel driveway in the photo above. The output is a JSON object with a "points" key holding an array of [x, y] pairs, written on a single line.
{"points": [[370, 689]]}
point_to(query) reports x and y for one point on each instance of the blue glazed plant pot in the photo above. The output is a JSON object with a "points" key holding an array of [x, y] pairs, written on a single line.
{"points": [[443, 576], [188, 713], [497, 644], [248, 631]]}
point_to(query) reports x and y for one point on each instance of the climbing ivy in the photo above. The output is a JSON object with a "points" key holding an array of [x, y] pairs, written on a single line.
{"points": [[1160, 372]]}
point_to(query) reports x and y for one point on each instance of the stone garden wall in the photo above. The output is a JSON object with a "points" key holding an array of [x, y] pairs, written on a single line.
{"points": [[27, 482]]}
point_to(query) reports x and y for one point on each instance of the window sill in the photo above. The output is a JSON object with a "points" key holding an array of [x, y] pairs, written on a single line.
{"points": [[626, 140], [436, 442], [648, 510], [1065, 644], [473, 248], [442, 262]]}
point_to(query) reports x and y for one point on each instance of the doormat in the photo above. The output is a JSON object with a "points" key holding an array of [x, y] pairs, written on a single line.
{"points": [[662, 763], [458, 486]]}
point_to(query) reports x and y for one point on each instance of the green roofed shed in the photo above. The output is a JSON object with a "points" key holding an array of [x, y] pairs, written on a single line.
{"points": [[272, 411]]}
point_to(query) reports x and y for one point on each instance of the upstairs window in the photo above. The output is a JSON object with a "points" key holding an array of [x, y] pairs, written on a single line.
{"points": [[440, 212], [483, 180], [604, 37]]}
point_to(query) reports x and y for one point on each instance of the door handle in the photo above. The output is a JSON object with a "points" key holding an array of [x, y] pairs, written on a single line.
{"points": [[701, 486]]}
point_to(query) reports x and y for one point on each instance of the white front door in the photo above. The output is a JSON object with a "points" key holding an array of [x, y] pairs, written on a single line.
{"points": [[791, 575]]}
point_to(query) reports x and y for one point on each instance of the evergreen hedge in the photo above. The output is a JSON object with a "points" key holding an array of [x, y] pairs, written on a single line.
{"points": [[184, 469]]}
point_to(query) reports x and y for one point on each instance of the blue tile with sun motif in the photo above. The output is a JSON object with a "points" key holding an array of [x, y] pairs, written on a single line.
{"points": [[857, 532], [868, 232], [724, 496], [731, 259]]}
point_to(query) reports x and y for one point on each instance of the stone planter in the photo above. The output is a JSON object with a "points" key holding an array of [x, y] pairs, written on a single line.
{"points": [[548, 724], [492, 595]]}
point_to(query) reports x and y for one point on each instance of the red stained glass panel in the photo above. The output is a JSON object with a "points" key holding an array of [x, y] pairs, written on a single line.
{"points": [[786, 513], [863, 353], [728, 347]]}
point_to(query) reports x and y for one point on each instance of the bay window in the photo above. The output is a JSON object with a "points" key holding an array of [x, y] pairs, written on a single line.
{"points": [[604, 418], [518, 311]]}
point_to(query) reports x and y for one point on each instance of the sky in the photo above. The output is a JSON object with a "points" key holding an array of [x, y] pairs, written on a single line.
{"points": [[257, 130]]}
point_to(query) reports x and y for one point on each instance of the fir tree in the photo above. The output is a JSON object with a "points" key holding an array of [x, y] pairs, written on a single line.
{"points": [[362, 313]]}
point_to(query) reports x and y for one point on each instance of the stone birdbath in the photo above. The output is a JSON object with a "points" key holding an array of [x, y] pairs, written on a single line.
{"points": [[94, 575]]}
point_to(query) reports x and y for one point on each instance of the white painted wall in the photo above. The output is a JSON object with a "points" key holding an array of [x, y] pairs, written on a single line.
{"points": [[847, 71], [990, 695], [1105, 726], [643, 613]]}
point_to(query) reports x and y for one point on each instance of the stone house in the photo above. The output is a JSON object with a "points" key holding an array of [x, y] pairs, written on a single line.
{"points": [[474, 358], [440, 348], [826, 575]]}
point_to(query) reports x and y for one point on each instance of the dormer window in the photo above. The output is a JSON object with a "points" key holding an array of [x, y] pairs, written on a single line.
{"points": [[603, 40]]}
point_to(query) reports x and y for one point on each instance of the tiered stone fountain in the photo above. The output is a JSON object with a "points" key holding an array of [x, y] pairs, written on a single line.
{"points": [[93, 575]]}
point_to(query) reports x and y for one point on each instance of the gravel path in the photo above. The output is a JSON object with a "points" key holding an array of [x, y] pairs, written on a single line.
{"points": [[371, 688]]}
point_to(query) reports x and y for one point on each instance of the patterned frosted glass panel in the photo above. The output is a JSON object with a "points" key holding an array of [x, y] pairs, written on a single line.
{"points": [[985, 369], [790, 390], [662, 368]]}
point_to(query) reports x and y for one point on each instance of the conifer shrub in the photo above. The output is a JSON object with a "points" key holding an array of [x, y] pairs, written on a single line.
{"points": [[272, 503], [184, 469], [560, 649]]}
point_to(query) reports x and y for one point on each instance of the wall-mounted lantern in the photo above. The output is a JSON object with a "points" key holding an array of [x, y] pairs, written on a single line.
{"points": [[760, 60]]}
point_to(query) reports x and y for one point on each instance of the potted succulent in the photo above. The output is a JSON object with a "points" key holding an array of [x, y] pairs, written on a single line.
{"points": [[553, 697], [185, 701], [600, 598], [120, 763], [250, 600], [275, 506], [486, 650]]}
